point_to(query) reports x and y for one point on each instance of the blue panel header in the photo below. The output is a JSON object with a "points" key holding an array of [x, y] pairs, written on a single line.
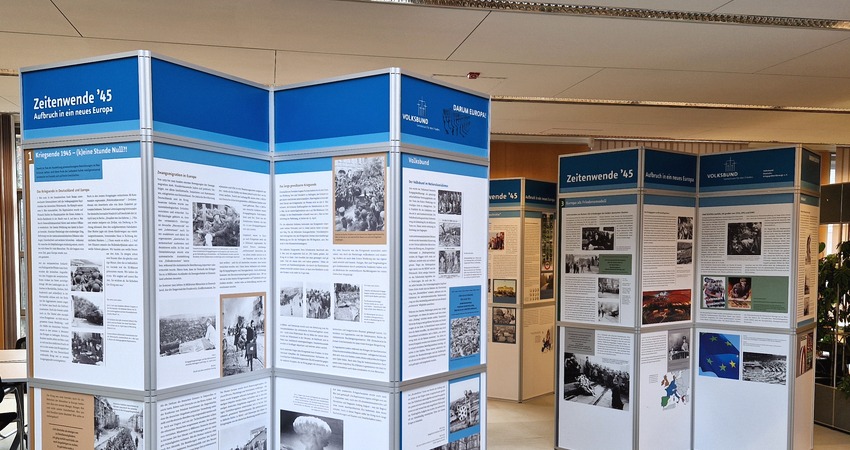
{"points": [[611, 200], [207, 158], [90, 98], [664, 200], [598, 171], [668, 170], [503, 214], [409, 161], [741, 200], [541, 193], [79, 163], [303, 165], [747, 170], [439, 117], [505, 192], [810, 171], [809, 200], [347, 112], [199, 105]]}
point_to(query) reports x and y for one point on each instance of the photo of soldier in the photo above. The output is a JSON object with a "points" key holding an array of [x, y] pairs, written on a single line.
{"points": [[359, 199], [215, 225]]}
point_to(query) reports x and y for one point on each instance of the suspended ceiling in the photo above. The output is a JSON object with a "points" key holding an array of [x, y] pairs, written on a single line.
{"points": [[552, 74]]}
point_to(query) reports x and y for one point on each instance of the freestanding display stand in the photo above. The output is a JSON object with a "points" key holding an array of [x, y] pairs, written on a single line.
{"points": [[381, 182], [757, 266], [626, 221], [148, 225], [521, 283]]}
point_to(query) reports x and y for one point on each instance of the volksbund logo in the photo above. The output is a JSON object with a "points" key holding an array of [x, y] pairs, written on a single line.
{"points": [[730, 165], [421, 116], [729, 170]]}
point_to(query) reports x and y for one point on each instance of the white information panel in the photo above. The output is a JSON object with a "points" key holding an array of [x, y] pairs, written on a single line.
{"points": [[84, 210], [326, 416], [595, 389], [235, 416], [444, 265], [807, 260], [538, 346], [742, 396], [445, 415], [503, 243], [333, 265], [212, 264], [598, 243]]}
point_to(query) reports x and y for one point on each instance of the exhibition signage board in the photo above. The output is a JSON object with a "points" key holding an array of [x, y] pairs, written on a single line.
{"points": [[762, 169]]}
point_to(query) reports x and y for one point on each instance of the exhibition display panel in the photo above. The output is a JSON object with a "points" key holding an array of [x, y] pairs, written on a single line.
{"points": [[757, 282], [521, 288], [626, 223]]}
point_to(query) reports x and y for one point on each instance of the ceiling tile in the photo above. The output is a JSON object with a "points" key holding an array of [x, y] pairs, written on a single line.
{"points": [[830, 61], [34, 16]]}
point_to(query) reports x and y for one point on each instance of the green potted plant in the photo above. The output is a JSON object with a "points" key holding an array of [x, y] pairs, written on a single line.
{"points": [[833, 330]]}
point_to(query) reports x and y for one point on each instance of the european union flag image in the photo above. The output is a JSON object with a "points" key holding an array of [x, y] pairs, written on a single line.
{"points": [[720, 355]]}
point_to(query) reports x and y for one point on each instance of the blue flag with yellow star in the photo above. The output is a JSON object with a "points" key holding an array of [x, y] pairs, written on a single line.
{"points": [[719, 355]]}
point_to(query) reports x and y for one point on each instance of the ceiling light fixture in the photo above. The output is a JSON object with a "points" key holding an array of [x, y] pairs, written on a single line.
{"points": [[665, 104]]}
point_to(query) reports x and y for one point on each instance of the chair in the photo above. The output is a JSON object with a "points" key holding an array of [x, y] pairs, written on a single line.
{"points": [[7, 418]]}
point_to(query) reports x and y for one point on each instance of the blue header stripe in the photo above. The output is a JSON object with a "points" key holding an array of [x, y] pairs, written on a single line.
{"points": [[360, 139], [195, 133], [208, 158], [738, 187], [541, 193], [670, 170], [668, 187], [611, 200], [303, 166], [767, 199], [79, 163], [664, 200], [77, 130], [600, 171], [443, 145], [498, 214], [809, 200], [505, 192], [771, 168], [409, 161]]}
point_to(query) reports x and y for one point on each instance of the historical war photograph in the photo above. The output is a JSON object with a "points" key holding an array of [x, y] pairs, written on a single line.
{"points": [[684, 252], [597, 238], [299, 431], [449, 234], [449, 202], [88, 311], [464, 337], [347, 302], [686, 229], [504, 325], [215, 225], [318, 301], [86, 276], [471, 442], [666, 306], [244, 436], [496, 240], [744, 239], [292, 300], [547, 242], [87, 348], [449, 262], [608, 287], [678, 349], [464, 404], [740, 293], [608, 311], [504, 291], [581, 263], [359, 193], [714, 292], [186, 327], [764, 368], [243, 321], [118, 424], [596, 381]]}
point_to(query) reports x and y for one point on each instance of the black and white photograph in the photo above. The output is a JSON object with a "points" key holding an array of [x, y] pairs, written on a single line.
{"points": [[449, 262], [504, 325], [291, 300], [504, 291], [244, 436], [243, 320], [215, 225], [359, 193], [608, 311], [608, 287], [187, 326], [86, 276], [597, 238], [684, 252], [764, 368], [547, 242], [318, 298], [347, 302], [88, 311], [471, 442], [678, 349], [740, 293], [496, 240], [118, 424], [585, 263], [449, 202], [300, 431], [464, 336], [743, 239], [87, 348], [464, 404], [686, 229], [596, 381], [449, 233], [714, 292]]}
